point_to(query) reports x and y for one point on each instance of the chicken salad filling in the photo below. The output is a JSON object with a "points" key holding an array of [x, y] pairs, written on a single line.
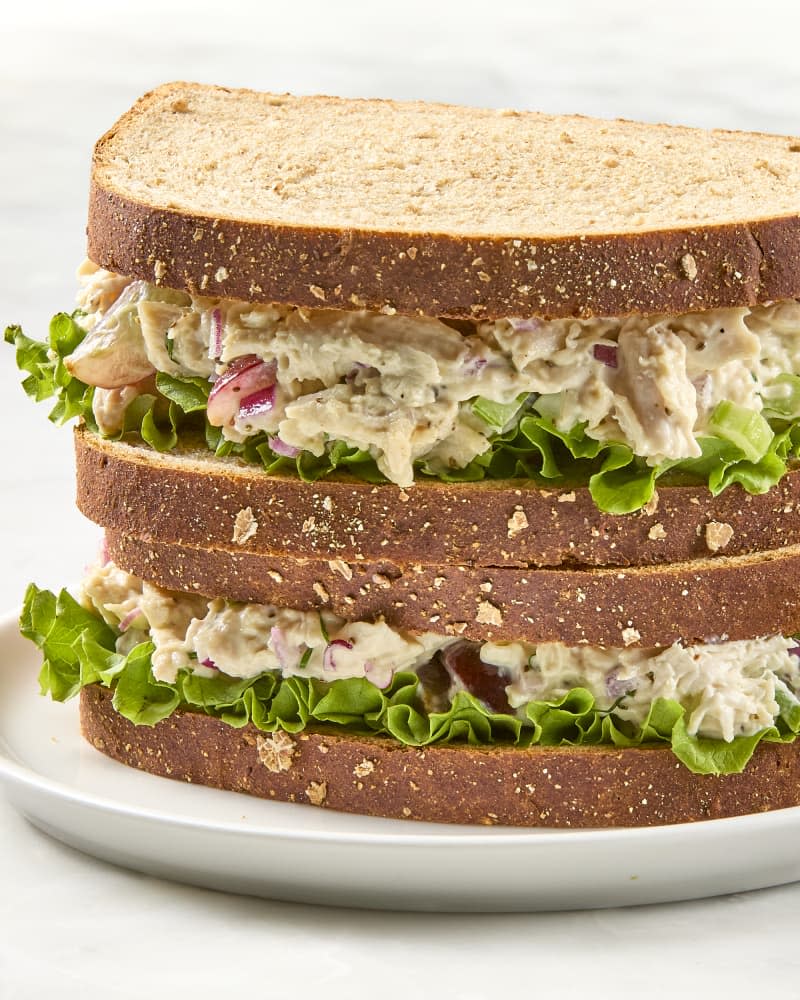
{"points": [[728, 689], [620, 401]]}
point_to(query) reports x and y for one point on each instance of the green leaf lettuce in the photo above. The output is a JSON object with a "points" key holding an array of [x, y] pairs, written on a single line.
{"points": [[79, 649]]}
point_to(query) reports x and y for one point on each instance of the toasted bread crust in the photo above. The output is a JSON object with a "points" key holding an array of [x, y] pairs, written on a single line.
{"points": [[700, 601], [193, 498], [541, 786], [738, 265]]}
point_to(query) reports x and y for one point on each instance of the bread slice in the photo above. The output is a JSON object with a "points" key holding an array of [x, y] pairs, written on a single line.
{"points": [[541, 786], [736, 597], [190, 497], [450, 211]]}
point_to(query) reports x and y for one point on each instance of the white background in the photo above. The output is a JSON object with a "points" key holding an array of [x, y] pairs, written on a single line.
{"points": [[75, 928]]}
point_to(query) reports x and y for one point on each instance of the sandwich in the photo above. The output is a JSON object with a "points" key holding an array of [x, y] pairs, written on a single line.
{"points": [[447, 460]]}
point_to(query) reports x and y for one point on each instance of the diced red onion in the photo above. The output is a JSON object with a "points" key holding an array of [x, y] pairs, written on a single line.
{"points": [[258, 402], [280, 646], [525, 325], [793, 651], [128, 620], [209, 663], [243, 378], [103, 554], [215, 335], [282, 448], [474, 366], [606, 354], [328, 662]]}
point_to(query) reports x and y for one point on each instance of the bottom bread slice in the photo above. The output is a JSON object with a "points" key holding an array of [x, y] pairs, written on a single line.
{"points": [[376, 776]]}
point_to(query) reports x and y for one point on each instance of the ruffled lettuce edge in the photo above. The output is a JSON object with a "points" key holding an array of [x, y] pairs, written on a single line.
{"points": [[748, 448], [79, 649]]}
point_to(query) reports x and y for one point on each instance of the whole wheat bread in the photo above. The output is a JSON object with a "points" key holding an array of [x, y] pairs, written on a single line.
{"points": [[737, 597], [450, 211], [541, 786], [191, 497]]}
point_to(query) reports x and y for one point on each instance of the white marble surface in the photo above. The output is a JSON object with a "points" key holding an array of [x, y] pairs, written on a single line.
{"points": [[76, 928]]}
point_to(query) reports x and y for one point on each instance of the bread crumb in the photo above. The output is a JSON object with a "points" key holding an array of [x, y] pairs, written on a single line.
{"points": [[309, 525], [327, 504], [365, 767], [488, 614], [517, 523], [159, 270], [221, 274], [180, 104], [630, 636], [321, 592], [381, 581], [275, 752], [403, 496], [412, 252], [486, 587], [317, 292], [244, 526], [689, 266], [652, 504], [567, 497], [197, 235], [317, 792], [718, 534], [340, 566], [438, 581], [406, 811], [275, 576], [657, 533]]}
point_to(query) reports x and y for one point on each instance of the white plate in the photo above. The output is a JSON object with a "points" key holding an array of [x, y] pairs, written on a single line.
{"points": [[225, 840]]}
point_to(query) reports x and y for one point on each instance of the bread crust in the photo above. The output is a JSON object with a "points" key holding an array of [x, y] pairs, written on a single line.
{"points": [[737, 265], [536, 787], [701, 601], [418, 267], [193, 498]]}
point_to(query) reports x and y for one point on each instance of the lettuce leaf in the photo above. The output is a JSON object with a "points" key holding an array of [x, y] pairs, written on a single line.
{"points": [[749, 448], [79, 649]]}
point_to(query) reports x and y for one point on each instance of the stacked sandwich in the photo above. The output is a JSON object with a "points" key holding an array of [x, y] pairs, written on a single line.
{"points": [[445, 456]]}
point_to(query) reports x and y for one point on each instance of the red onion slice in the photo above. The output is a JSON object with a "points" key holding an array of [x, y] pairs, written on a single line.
{"points": [[243, 378], [328, 662], [207, 662], [606, 354], [280, 646], [282, 448], [258, 402], [129, 619]]}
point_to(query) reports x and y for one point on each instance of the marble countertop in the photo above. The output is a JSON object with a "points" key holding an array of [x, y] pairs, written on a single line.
{"points": [[86, 929]]}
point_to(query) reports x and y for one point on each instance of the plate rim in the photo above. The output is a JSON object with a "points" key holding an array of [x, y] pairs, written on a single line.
{"points": [[24, 776]]}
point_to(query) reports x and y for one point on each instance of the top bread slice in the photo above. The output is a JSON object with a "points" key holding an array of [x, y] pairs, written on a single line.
{"points": [[460, 212]]}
